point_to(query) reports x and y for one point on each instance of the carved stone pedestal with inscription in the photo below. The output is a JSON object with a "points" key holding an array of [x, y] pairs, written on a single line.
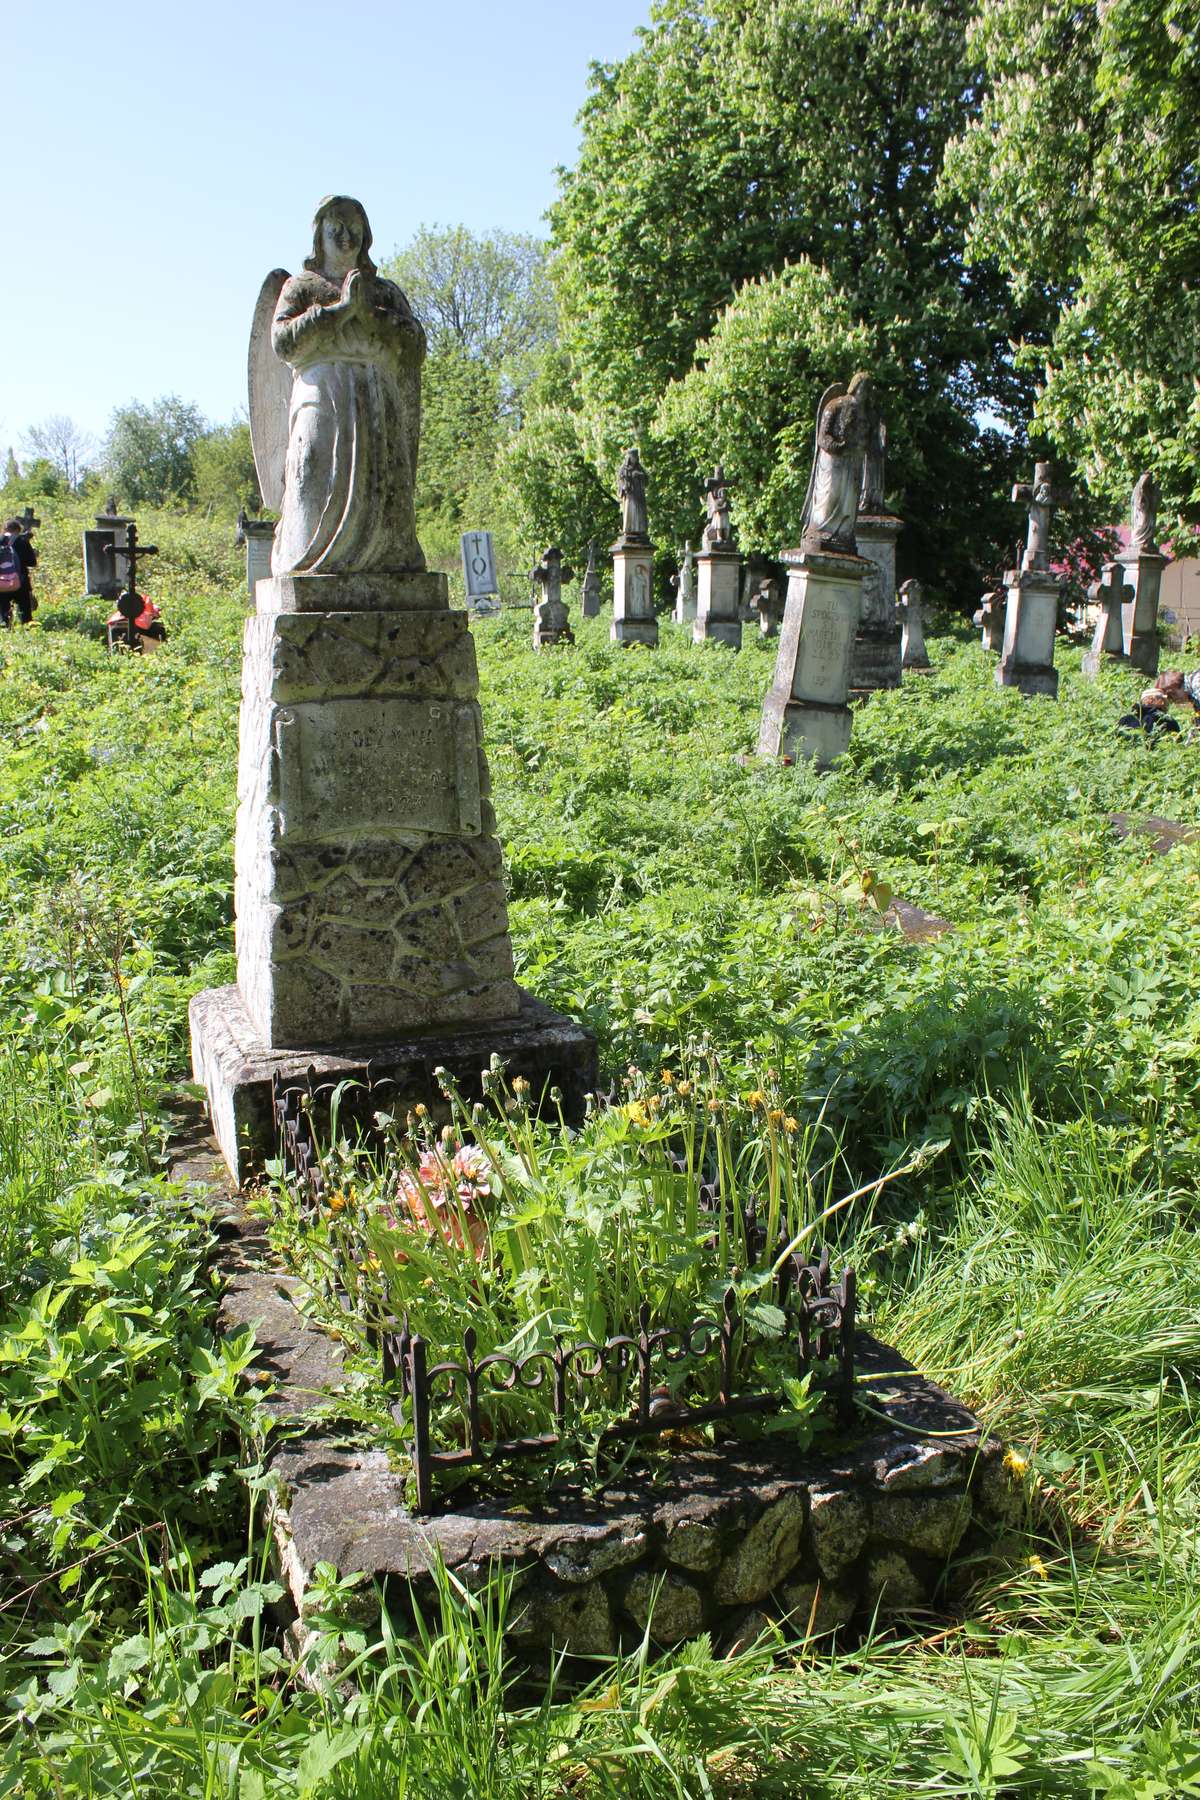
{"points": [[1139, 615], [369, 886], [1030, 622], [806, 712], [633, 620], [875, 660], [718, 611]]}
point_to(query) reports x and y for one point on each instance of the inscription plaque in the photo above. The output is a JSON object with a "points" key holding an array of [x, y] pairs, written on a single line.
{"points": [[826, 639], [369, 767]]}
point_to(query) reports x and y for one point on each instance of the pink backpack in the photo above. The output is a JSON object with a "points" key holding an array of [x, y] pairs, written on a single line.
{"points": [[10, 567]]}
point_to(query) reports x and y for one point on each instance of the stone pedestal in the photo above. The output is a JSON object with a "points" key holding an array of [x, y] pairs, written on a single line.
{"points": [[1030, 622], [237, 1068], [369, 889], [260, 537], [875, 661], [633, 620], [718, 615], [1139, 615], [806, 712]]}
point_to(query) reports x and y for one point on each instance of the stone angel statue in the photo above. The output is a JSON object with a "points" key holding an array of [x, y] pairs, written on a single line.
{"points": [[335, 406], [631, 491], [1143, 514], [831, 505]]}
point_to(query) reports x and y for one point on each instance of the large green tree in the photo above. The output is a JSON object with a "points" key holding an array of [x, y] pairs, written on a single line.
{"points": [[223, 472], [1083, 178], [745, 135], [149, 453]]}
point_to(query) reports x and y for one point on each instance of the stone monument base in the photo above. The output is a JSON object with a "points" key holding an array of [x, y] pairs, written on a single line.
{"points": [[1139, 615], [633, 620], [875, 660], [718, 616], [1030, 622], [236, 1067], [805, 713]]}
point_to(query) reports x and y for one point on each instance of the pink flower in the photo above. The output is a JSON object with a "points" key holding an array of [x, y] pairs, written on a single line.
{"points": [[444, 1196]]}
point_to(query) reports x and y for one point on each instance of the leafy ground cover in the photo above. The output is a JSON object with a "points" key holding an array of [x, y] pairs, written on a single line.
{"points": [[1042, 1057]]}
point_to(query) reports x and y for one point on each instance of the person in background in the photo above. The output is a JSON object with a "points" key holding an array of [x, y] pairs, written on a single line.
{"points": [[19, 542], [1178, 688], [1151, 715]]}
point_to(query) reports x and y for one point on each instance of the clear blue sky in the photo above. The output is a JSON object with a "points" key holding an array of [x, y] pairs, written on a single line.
{"points": [[161, 156]]}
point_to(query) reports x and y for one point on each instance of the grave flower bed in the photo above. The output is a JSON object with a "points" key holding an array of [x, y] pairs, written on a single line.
{"points": [[510, 1289]]}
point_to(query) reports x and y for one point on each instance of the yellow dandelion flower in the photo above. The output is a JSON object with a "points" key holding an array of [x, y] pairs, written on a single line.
{"points": [[421, 1110], [337, 1202], [714, 1106], [654, 1102], [791, 1126], [636, 1111], [667, 1078], [684, 1088], [520, 1085], [1015, 1463], [776, 1115], [1037, 1567], [754, 1099]]}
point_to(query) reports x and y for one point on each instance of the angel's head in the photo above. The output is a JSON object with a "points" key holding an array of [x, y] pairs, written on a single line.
{"points": [[341, 239]]}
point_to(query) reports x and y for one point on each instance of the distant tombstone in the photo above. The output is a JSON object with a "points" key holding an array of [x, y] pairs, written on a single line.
{"points": [[1143, 564], [633, 620], [478, 566], [685, 588], [551, 621], [913, 654], [989, 616], [876, 659], [1031, 615], [99, 565], [806, 712], [768, 599], [589, 600], [719, 566], [258, 535], [1109, 596]]}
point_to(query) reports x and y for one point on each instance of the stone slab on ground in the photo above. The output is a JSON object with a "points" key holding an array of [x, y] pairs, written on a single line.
{"points": [[237, 1068], [1165, 832]]}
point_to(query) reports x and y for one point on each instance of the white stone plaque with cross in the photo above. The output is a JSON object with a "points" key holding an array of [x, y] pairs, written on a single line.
{"points": [[479, 565]]}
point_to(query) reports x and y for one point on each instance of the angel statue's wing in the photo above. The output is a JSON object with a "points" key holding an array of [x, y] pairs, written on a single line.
{"points": [[270, 395], [833, 392]]}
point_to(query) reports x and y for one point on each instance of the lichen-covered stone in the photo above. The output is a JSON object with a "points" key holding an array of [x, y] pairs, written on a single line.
{"points": [[746, 1629], [694, 1544], [669, 1605], [892, 1584], [932, 1523], [840, 1521], [911, 1468], [576, 1619], [816, 1607], [999, 1492], [768, 1552], [595, 1553]]}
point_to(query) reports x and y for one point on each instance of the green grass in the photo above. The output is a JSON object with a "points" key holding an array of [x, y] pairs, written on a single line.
{"points": [[1042, 1263]]}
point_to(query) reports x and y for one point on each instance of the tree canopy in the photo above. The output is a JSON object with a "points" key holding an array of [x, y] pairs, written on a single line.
{"points": [[1082, 179], [149, 450], [744, 136]]}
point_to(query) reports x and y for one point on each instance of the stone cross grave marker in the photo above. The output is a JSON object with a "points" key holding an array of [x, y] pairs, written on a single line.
{"points": [[551, 620], [129, 603], [1109, 595], [1034, 591]]}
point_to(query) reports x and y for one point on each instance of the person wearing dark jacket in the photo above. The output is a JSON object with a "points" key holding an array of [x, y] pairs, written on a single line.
{"points": [[26, 555], [1150, 715]]}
